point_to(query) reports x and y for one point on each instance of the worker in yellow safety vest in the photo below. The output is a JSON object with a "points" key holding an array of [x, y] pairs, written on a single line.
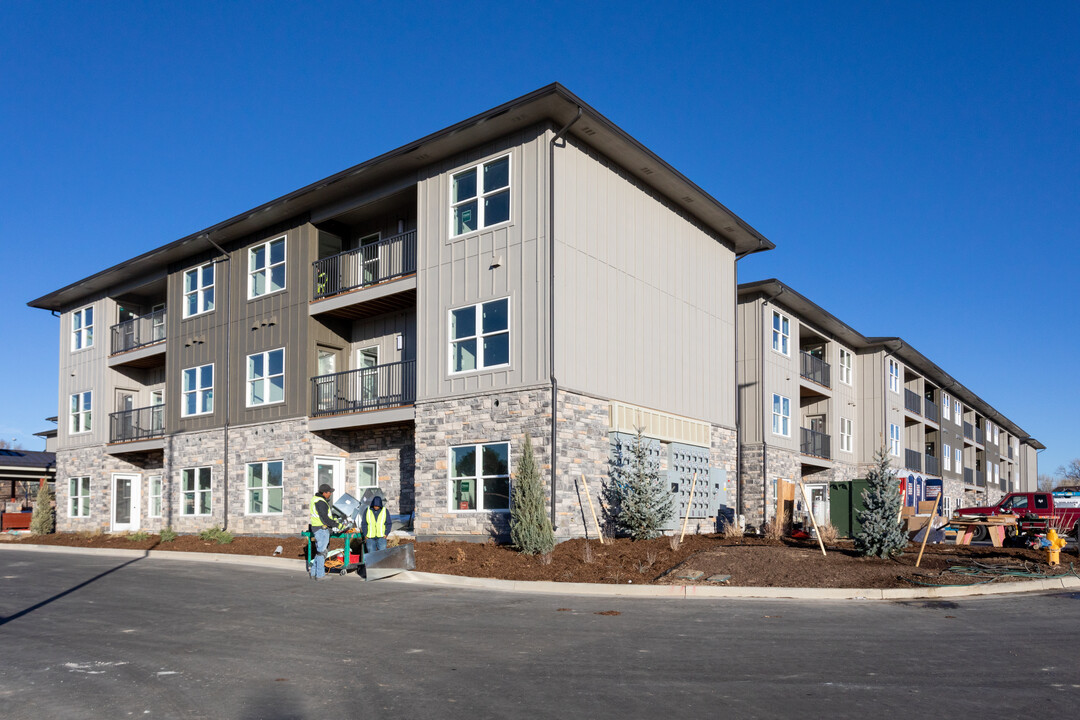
{"points": [[375, 525], [321, 523]]}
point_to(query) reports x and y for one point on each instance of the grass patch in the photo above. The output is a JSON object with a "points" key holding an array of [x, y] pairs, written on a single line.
{"points": [[168, 535], [139, 536], [216, 534]]}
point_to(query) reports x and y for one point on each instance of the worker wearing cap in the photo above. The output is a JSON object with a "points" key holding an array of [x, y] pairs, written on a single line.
{"points": [[321, 523], [374, 525]]}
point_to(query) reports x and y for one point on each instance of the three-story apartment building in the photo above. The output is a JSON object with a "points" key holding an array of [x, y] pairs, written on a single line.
{"points": [[818, 399], [403, 325]]}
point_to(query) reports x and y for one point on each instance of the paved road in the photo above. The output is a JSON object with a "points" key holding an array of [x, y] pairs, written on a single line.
{"points": [[100, 637]]}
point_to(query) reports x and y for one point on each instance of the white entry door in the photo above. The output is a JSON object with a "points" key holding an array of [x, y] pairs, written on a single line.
{"points": [[125, 502], [332, 472]]}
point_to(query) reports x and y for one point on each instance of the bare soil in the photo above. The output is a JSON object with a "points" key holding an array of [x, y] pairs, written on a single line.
{"points": [[750, 562]]}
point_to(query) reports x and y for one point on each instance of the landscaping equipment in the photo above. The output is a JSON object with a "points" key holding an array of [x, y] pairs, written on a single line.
{"points": [[369, 566]]}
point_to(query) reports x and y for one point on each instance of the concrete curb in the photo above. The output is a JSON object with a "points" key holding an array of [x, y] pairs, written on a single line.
{"points": [[680, 592]]}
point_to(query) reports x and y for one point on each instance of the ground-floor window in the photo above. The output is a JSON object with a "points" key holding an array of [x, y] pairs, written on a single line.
{"points": [[264, 488], [79, 497], [480, 477], [367, 475], [195, 487], [156, 486]]}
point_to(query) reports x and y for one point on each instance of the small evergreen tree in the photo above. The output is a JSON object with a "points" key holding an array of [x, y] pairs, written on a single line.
{"points": [[881, 534], [43, 520], [635, 499], [530, 527]]}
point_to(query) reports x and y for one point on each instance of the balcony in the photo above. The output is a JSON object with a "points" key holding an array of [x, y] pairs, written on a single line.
{"points": [[912, 401], [139, 342], [913, 460], [969, 476], [138, 430], [968, 431], [815, 444], [979, 436], [932, 465], [980, 478], [815, 370], [367, 396], [930, 410], [1010, 452], [366, 280]]}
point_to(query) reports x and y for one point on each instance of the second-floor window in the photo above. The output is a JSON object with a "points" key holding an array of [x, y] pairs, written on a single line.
{"points": [[959, 460], [894, 375], [945, 409], [480, 336], [82, 328], [197, 392], [266, 268], [947, 458], [80, 412], [199, 290], [265, 489], [845, 366], [266, 378], [781, 333], [195, 488], [781, 415], [894, 440], [845, 435], [480, 196], [959, 409]]}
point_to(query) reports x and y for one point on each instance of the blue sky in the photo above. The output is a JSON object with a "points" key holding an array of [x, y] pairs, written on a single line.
{"points": [[916, 164]]}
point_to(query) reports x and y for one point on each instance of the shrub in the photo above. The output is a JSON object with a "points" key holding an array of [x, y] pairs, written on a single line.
{"points": [[216, 534], [773, 530], [139, 536], [168, 535], [43, 519], [828, 533], [530, 527], [881, 534], [635, 499], [730, 531]]}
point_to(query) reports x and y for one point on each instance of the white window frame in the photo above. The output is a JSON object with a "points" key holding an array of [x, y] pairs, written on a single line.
{"points": [[845, 434], [265, 487], [199, 291], [200, 392], [958, 454], [781, 336], [477, 477], [894, 376], [197, 492], [80, 410], [82, 332], [781, 420], [265, 378], [267, 270], [479, 336], [958, 408], [947, 458], [846, 369], [946, 409], [894, 439], [79, 497], [366, 461], [481, 195], [155, 495]]}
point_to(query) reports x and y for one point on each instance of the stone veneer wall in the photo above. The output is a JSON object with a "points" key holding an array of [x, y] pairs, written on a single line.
{"points": [[756, 484], [99, 466]]}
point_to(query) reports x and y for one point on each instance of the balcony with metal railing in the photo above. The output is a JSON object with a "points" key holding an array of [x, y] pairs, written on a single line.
{"points": [[137, 430], [366, 396], [1010, 452], [913, 460], [912, 401], [980, 478], [932, 466], [930, 410], [979, 436], [969, 431], [815, 444], [139, 342], [375, 275], [815, 369], [969, 476]]}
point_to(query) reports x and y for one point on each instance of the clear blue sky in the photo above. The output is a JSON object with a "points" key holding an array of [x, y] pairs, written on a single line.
{"points": [[916, 164]]}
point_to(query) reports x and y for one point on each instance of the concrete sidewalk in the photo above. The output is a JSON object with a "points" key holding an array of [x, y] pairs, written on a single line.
{"points": [[1065, 582]]}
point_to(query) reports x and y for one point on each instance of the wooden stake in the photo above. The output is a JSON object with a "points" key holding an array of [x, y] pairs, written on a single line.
{"points": [[926, 530], [588, 497], [693, 484], [813, 520]]}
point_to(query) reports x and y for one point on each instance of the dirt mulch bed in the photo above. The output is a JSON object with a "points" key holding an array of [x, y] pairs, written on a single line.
{"points": [[750, 562]]}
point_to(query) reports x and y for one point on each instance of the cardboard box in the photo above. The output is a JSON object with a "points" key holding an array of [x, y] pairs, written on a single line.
{"points": [[926, 507], [907, 511]]}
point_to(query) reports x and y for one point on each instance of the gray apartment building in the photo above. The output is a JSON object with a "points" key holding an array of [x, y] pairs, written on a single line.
{"points": [[403, 325], [817, 399]]}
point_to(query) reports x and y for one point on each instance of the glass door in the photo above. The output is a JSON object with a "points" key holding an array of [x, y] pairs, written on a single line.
{"points": [[332, 472], [125, 503], [367, 360], [326, 388]]}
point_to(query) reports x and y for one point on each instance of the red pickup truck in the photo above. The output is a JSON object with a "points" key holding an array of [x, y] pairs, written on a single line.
{"points": [[1062, 508]]}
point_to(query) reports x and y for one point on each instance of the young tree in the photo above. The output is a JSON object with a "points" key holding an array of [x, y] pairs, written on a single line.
{"points": [[530, 527], [881, 534], [635, 499], [43, 520]]}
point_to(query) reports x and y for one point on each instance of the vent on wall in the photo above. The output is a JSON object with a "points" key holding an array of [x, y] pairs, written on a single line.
{"points": [[588, 131], [659, 425]]}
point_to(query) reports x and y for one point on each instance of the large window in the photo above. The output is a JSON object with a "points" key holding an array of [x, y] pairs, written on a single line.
{"points": [[845, 435], [945, 406], [894, 375], [959, 410], [195, 488], [266, 268], [894, 439], [781, 415], [266, 378], [198, 391], [265, 492], [781, 333], [80, 412], [480, 477], [480, 336], [959, 460], [156, 492], [199, 290], [79, 497], [947, 458], [82, 328], [845, 367], [480, 196]]}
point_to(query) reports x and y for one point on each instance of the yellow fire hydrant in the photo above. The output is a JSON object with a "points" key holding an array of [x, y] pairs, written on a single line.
{"points": [[1056, 543]]}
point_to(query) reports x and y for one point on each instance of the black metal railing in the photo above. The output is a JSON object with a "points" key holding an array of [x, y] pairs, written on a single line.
{"points": [[138, 424], [373, 388], [969, 476], [1010, 452], [980, 478], [814, 443], [816, 369], [969, 430], [930, 410], [912, 401], [375, 263], [980, 436], [137, 332], [913, 460], [931, 465]]}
